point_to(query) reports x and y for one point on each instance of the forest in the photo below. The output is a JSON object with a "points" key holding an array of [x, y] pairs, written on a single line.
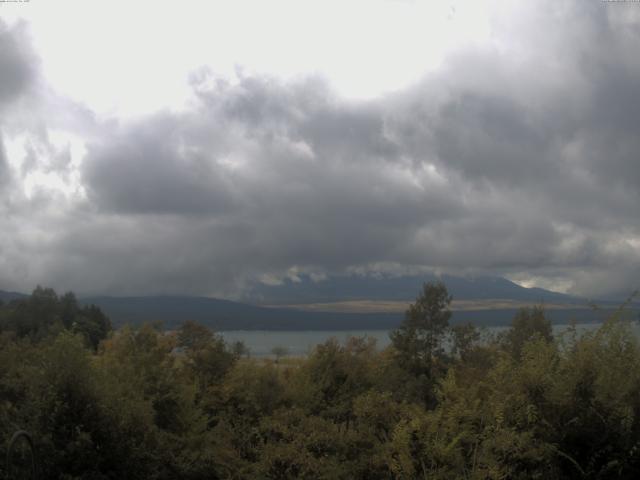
{"points": [[441, 402]]}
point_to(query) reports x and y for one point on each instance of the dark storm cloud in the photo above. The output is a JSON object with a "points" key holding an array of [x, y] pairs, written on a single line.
{"points": [[16, 62], [519, 156], [288, 155], [497, 163], [279, 174], [155, 167]]}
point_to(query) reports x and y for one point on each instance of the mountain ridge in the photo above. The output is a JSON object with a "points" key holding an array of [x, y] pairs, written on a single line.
{"points": [[303, 289], [480, 293]]}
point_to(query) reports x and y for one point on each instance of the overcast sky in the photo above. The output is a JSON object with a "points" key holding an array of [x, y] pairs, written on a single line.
{"points": [[196, 147]]}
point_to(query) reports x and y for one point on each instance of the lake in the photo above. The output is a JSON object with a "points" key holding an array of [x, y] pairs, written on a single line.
{"points": [[301, 343]]}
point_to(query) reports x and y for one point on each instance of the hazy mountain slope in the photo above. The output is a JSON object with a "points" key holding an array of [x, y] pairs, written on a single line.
{"points": [[227, 315], [341, 288], [171, 311], [8, 296]]}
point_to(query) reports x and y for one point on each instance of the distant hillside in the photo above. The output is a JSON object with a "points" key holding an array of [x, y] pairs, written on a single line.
{"points": [[347, 288], [171, 311], [8, 296], [226, 315]]}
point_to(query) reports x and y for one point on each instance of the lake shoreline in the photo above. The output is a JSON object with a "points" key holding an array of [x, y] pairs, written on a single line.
{"points": [[300, 343]]}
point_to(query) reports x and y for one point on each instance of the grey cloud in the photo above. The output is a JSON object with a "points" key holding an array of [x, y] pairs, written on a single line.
{"points": [[17, 63], [4, 167], [30, 109], [302, 191], [154, 167], [492, 138], [520, 161], [506, 172], [17, 71]]}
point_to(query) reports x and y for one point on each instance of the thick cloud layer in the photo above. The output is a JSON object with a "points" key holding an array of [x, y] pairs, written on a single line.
{"points": [[15, 76], [17, 67], [518, 157]]}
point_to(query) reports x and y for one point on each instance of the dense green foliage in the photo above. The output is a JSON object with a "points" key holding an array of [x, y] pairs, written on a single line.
{"points": [[143, 403], [45, 314]]}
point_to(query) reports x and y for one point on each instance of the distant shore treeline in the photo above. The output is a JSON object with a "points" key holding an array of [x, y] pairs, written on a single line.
{"points": [[225, 315], [220, 315]]}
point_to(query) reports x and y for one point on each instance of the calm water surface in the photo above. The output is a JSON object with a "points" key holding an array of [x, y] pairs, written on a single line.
{"points": [[300, 343]]}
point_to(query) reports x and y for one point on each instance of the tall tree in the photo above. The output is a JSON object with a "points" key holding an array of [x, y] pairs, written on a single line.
{"points": [[527, 324], [418, 341]]}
